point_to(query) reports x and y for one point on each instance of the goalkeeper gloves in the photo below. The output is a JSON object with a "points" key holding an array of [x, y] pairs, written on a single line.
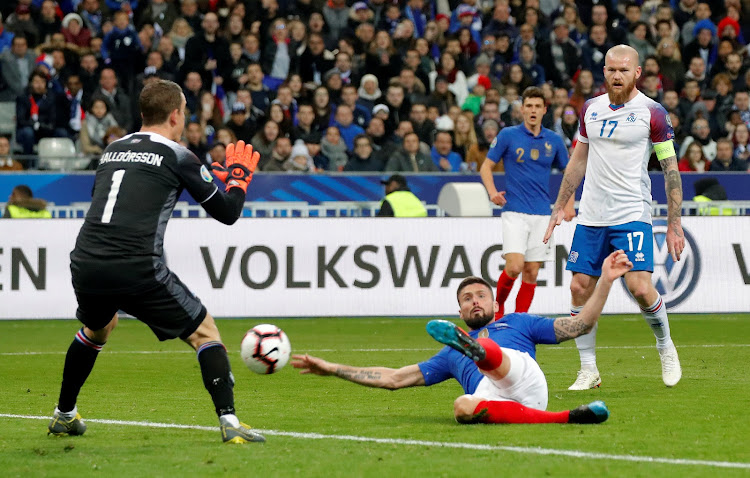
{"points": [[239, 166]]}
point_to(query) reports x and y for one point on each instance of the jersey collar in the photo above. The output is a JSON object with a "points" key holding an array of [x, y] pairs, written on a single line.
{"points": [[528, 132]]}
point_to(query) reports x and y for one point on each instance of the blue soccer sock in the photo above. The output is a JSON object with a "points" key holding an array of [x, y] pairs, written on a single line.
{"points": [[656, 317], [79, 362]]}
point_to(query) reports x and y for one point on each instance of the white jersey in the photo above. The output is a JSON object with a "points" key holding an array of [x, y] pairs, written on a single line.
{"points": [[617, 188]]}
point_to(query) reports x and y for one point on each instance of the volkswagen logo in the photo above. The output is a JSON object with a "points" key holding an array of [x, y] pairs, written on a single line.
{"points": [[675, 281]]}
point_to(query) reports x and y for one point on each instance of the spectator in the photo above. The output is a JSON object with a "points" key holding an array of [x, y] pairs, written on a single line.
{"points": [[740, 139], [36, 114], [735, 70], [399, 201], [23, 204], [300, 160], [74, 30], [121, 47], [240, 125], [567, 125], [364, 159], [70, 112], [398, 107], [382, 59], [277, 57], [281, 153], [350, 98], [478, 151], [252, 113], [410, 158], [196, 142], [347, 129], [159, 12], [189, 12], [225, 136], [20, 23], [276, 114], [95, 125], [208, 53], [701, 134], [640, 39], [17, 63], [562, 57], [445, 159], [465, 135], [725, 160], [334, 148], [697, 71], [424, 128], [703, 45], [264, 142], [742, 105], [694, 159], [530, 67], [583, 90], [336, 15], [594, 51], [217, 152], [7, 163], [315, 60], [323, 108], [414, 89], [6, 37], [670, 62], [118, 103], [258, 90], [455, 78], [179, 35]]}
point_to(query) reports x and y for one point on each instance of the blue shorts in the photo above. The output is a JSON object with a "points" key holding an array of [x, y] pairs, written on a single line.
{"points": [[591, 245]]}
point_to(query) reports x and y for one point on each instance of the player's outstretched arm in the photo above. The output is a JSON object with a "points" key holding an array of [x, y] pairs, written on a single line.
{"points": [[614, 267], [673, 187], [572, 178], [376, 377], [485, 172]]}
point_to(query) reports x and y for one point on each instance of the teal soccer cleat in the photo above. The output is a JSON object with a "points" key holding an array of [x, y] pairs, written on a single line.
{"points": [[453, 336]]}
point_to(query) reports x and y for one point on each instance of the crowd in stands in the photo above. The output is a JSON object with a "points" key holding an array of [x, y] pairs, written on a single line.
{"points": [[376, 85]]}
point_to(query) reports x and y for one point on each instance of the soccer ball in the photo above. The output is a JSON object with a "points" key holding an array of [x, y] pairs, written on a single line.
{"points": [[265, 349]]}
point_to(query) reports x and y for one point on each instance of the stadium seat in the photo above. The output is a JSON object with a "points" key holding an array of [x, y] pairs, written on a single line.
{"points": [[60, 153], [464, 200]]}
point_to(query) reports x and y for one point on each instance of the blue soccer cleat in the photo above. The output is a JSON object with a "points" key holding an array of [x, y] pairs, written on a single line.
{"points": [[594, 412], [454, 337]]}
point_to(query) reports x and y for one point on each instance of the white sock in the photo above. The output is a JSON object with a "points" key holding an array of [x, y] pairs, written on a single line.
{"points": [[69, 415], [231, 418], [656, 318], [586, 344]]}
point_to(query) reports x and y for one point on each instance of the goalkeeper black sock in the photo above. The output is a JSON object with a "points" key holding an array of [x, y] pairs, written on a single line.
{"points": [[217, 376], [79, 361]]}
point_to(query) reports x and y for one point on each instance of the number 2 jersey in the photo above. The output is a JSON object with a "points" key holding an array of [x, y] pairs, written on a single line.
{"points": [[138, 181], [617, 188]]}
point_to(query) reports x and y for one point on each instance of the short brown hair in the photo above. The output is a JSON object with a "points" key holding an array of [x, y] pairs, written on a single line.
{"points": [[532, 92], [158, 100], [472, 280]]}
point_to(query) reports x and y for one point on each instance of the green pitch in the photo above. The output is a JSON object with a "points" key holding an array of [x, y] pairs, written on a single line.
{"points": [[323, 426]]}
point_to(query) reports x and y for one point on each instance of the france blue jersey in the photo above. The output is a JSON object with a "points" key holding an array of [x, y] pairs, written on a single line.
{"points": [[528, 160], [520, 332]]}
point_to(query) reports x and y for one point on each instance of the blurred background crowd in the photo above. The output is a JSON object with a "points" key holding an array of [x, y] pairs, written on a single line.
{"points": [[378, 85]]}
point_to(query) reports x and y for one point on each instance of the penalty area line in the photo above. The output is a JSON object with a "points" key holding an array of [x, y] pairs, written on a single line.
{"points": [[425, 443]]}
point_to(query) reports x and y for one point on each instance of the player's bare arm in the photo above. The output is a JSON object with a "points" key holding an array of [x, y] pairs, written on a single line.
{"points": [[485, 172], [673, 187], [572, 178], [376, 377], [614, 267]]}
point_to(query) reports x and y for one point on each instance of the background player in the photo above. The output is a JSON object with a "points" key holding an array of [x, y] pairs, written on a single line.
{"points": [[118, 260], [529, 152], [616, 133], [495, 363]]}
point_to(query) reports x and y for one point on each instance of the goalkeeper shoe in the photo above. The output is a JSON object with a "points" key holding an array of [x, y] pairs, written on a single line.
{"points": [[62, 426], [671, 372], [586, 379], [453, 336], [238, 434], [594, 412]]}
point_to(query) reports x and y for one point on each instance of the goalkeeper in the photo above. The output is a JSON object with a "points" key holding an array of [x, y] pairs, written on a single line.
{"points": [[118, 260], [495, 363]]}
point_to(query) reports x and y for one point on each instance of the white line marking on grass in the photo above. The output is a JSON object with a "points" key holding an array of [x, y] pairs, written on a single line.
{"points": [[431, 349], [424, 443]]}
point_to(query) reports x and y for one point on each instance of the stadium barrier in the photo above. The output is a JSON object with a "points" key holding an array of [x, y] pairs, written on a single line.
{"points": [[363, 267]]}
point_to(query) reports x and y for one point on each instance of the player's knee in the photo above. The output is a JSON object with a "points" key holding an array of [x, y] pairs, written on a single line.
{"points": [[513, 269], [640, 290], [580, 289], [463, 408]]}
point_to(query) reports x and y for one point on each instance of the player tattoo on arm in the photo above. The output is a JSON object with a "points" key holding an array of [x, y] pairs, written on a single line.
{"points": [[358, 375], [567, 328], [673, 186]]}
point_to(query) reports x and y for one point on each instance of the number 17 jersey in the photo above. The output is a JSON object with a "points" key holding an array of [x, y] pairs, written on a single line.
{"points": [[617, 188]]}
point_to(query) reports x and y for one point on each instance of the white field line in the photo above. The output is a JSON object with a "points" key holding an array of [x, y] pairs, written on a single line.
{"points": [[423, 443], [433, 349]]}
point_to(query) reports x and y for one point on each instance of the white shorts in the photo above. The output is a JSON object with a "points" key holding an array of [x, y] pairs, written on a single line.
{"points": [[524, 234], [525, 383]]}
